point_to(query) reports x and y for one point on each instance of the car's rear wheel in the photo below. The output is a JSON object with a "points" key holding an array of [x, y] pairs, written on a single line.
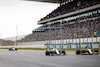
{"points": [[10, 49], [16, 49], [47, 53], [96, 52]]}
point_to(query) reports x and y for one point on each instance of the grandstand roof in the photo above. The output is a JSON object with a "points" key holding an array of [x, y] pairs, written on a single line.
{"points": [[49, 1]]}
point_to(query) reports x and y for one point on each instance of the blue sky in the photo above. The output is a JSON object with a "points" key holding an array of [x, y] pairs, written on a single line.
{"points": [[23, 14]]}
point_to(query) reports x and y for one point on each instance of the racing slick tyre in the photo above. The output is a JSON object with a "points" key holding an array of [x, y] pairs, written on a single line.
{"points": [[77, 52], [59, 51], [9, 49], [96, 52], [47, 53], [16, 49], [63, 52]]}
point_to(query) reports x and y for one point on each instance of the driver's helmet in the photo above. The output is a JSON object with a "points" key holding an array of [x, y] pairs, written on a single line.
{"points": [[86, 47]]}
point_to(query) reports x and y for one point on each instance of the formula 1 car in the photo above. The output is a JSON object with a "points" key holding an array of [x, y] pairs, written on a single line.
{"points": [[55, 51], [13, 49], [87, 52]]}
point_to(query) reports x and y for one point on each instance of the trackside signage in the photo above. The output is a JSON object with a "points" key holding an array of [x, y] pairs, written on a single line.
{"points": [[69, 45], [78, 45], [95, 45], [65, 46], [61, 46], [51, 45], [54, 45], [89, 45], [48, 46], [45, 45], [57, 45], [99, 44], [73, 45], [83, 45]]}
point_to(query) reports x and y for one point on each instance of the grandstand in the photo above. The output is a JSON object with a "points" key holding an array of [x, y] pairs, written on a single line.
{"points": [[74, 21]]}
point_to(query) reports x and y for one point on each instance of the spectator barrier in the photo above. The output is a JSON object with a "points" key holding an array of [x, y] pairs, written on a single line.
{"points": [[75, 45]]}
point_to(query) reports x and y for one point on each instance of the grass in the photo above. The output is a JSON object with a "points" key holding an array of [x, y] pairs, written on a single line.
{"points": [[69, 49], [43, 49], [27, 48], [40, 49], [32, 48]]}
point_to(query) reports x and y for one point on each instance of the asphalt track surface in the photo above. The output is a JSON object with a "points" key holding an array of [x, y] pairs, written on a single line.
{"points": [[32, 58]]}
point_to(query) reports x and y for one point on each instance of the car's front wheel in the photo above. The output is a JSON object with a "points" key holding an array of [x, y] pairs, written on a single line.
{"points": [[78, 52], [63, 52]]}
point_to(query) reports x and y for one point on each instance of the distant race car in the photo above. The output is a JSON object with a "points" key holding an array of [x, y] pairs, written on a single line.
{"points": [[13, 49], [87, 52], [55, 51]]}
